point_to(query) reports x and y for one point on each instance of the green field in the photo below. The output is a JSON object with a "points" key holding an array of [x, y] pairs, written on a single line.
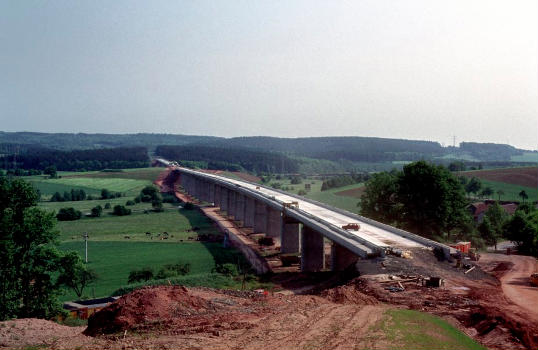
{"points": [[135, 226], [511, 191], [408, 329], [328, 197], [118, 245], [113, 261], [127, 181]]}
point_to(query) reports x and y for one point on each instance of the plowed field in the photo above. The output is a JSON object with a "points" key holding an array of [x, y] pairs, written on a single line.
{"points": [[527, 176]]}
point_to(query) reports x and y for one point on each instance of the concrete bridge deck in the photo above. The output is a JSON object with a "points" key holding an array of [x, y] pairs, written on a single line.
{"points": [[300, 227]]}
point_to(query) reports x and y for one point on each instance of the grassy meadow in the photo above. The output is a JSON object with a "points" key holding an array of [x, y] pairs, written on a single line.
{"points": [[409, 329], [119, 244]]}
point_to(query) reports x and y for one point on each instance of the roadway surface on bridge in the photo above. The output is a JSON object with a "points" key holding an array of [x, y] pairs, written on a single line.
{"points": [[376, 235]]}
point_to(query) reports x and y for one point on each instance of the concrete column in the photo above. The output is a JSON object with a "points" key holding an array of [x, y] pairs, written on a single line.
{"points": [[250, 205], [289, 242], [240, 207], [197, 188], [341, 257], [260, 217], [312, 254], [231, 203], [274, 223], [218, 198], [211, 198], [205, 191], [224, 199]]}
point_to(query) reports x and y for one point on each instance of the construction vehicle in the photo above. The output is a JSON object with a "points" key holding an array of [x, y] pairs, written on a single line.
{"points": [[293, 204], [474, 254], [352, 226], [534, 279]]}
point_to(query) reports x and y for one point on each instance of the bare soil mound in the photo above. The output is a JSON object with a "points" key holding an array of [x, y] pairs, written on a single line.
{"points": [[173, 309]]}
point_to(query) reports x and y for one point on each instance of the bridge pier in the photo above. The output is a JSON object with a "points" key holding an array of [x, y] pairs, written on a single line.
{"points": [[274, 223], [341, 257], [224, 199], [231, 203], [250, 204], [217, 196], [240, 207], [312, 250], [289, 241], [260, 217], [211, 196]]}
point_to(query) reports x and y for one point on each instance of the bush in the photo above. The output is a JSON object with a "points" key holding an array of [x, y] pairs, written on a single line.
{"points": [[138, 199], [107, 206], [96, 211], [301, 193], [227, 269], [120, 210], [173, 270], [68, 214], [295, 180], [129, 202], [144, 274], [157, 205]]}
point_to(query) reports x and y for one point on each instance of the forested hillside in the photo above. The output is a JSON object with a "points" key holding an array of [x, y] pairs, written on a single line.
{"points": [[231, 158], [97, 159], [325, 155]]}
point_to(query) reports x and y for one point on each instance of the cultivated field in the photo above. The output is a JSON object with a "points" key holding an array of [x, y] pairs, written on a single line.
{"points": [[510, 180], [525, 177]]}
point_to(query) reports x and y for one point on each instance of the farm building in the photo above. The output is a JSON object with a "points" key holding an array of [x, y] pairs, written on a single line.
{"points": [[478, 209]]}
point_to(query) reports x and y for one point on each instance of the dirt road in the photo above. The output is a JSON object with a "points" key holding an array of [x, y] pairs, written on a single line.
{"points": [[513, 271]]}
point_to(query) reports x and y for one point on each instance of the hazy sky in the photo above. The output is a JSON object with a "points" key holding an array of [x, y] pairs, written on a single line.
{"points": [[404, 69]]}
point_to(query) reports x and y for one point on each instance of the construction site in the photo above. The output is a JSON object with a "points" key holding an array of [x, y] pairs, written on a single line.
{"points": [[487, 296]]}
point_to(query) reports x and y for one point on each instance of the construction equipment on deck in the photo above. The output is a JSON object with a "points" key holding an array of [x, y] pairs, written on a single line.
{"points": [[352, 226]]}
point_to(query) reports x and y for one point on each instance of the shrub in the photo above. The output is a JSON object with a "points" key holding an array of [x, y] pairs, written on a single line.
{"points": [[107, 206], [227, 269], [129, 202], [96, 211], [120, 210], [68, 214], [144, 274], [301, 193], [173, 270], [157, 205]]}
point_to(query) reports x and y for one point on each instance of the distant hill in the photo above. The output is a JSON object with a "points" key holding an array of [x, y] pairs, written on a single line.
{"points": [[65, 141], [269, 154]]}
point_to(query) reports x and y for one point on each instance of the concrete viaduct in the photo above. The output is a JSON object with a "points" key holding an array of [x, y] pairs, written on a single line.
{"points": [[300, 225]]}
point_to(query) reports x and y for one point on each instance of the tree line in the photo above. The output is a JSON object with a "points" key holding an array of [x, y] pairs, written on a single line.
{"points": [[81, 160], [247, 159]]}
